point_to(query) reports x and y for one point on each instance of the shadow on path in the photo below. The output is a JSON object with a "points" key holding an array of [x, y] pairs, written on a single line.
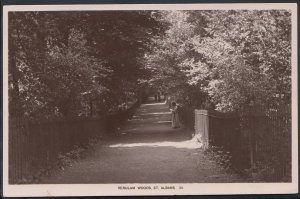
{"points": [[148, 150]]}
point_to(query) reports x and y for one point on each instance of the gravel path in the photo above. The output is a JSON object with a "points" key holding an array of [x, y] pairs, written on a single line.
{"points": [[148, 151]]}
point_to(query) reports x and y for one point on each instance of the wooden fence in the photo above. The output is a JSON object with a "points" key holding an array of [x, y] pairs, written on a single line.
{"points": [[35, 145], [270, 141], [258, 139]]}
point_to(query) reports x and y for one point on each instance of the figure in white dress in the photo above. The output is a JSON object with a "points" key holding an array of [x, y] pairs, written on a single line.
{"points": [[175, 116]]}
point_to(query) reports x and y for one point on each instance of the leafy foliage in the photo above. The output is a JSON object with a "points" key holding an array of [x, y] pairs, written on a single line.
{"points": [[73, 63], [233, 58]]}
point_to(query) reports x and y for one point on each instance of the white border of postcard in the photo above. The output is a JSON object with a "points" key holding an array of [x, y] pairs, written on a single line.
{"points": [[188, 188]]}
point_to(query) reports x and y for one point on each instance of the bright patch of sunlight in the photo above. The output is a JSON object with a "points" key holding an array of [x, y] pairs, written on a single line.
{"points": [[153, 104], [188, 144], [159, 122], [156, 113]]}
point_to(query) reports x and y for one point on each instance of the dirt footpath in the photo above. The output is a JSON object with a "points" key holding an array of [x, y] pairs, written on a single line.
{"points": [[148, 151]]}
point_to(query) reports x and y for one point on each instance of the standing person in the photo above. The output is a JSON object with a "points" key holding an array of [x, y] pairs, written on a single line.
{"points": [[175, 116], [155, 96]]}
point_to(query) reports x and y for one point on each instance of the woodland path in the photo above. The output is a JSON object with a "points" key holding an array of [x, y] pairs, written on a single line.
{"points": [[148, 151]]}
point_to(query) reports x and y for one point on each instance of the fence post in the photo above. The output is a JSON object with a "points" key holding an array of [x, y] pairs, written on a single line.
{"points": [[251, 113], [202, 126]]}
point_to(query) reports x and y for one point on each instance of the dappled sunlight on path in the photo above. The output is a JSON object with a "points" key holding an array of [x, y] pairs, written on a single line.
{"points": [[190, 144], [147, 150]]}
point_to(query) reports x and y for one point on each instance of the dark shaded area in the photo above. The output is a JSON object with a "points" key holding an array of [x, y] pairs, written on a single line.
{"points": [[34, 146], [146, 152], [258, 142]]}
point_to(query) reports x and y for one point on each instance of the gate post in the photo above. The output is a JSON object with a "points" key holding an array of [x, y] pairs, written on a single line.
{"points": [[202, 126]]}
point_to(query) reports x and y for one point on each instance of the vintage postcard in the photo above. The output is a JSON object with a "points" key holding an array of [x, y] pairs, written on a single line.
{"points": [[150, 99]]}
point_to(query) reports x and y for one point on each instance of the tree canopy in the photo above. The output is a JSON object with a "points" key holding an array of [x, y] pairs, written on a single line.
{"points": [[67, 63], [225, 59], [59, 62]]}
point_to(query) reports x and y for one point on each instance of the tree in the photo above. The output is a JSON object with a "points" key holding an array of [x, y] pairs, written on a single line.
{"points": [[164, 62], [64, 63], [241, 57], [232, 58]]}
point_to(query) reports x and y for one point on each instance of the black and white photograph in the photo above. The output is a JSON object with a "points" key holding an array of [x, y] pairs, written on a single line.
{"points": [[159, 99]]}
